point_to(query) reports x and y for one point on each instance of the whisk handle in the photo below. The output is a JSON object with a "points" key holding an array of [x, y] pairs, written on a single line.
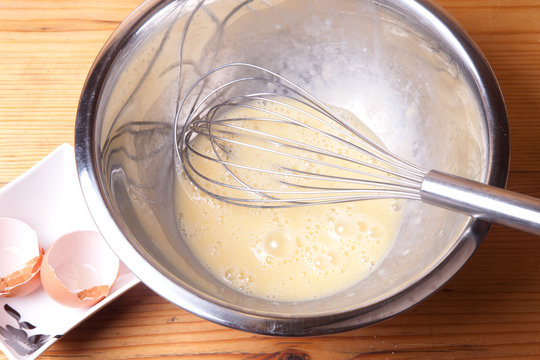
{"points": [[482, 201]]}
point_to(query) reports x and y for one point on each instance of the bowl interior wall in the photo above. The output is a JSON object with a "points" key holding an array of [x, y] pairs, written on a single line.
{"points": [[392, 70]]}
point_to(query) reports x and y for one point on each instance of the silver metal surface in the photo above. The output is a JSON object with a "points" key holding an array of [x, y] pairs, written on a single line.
{"points": [[482, 201], [125, 148]]}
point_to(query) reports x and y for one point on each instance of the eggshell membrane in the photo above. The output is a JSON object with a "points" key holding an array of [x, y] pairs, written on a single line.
{"points": [[20, 258], [79, 269]]}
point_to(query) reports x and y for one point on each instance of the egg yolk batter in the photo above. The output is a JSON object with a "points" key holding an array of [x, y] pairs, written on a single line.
{"points": [[286, 254]]}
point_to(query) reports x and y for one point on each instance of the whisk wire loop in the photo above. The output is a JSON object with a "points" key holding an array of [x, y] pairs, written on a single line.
{"points": [[289, 143], [381, 176]]}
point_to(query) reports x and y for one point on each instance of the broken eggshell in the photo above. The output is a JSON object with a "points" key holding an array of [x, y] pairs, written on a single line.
{"points": [[79, 269], [20, 258]]}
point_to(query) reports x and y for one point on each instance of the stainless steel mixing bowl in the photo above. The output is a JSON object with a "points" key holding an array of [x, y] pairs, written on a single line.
{"points": [[403, 67]]}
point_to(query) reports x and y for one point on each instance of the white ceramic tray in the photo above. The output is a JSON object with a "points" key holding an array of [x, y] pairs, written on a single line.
{"points": [[48, 198]]}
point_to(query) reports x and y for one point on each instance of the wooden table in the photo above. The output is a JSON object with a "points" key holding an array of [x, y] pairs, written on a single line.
{"points": [[491, 309]]}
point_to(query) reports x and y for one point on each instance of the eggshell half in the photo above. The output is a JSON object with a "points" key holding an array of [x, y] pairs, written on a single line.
{"points": [[79, 269], [20, 258]]}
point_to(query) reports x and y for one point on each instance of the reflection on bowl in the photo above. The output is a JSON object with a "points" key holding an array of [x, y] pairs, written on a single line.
{"points": [[403, 68]]}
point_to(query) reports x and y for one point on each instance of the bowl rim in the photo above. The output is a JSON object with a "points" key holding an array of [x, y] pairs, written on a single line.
{"points": [[86, 157]]}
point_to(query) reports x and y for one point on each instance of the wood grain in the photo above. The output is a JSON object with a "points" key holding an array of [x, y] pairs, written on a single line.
{"points": [[490, 310]]}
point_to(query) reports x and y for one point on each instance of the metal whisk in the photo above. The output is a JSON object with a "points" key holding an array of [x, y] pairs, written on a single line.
{"points": [[254, 148]]}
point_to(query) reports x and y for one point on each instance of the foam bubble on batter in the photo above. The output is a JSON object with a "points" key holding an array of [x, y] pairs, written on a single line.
{"points": [[289, 254]]}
